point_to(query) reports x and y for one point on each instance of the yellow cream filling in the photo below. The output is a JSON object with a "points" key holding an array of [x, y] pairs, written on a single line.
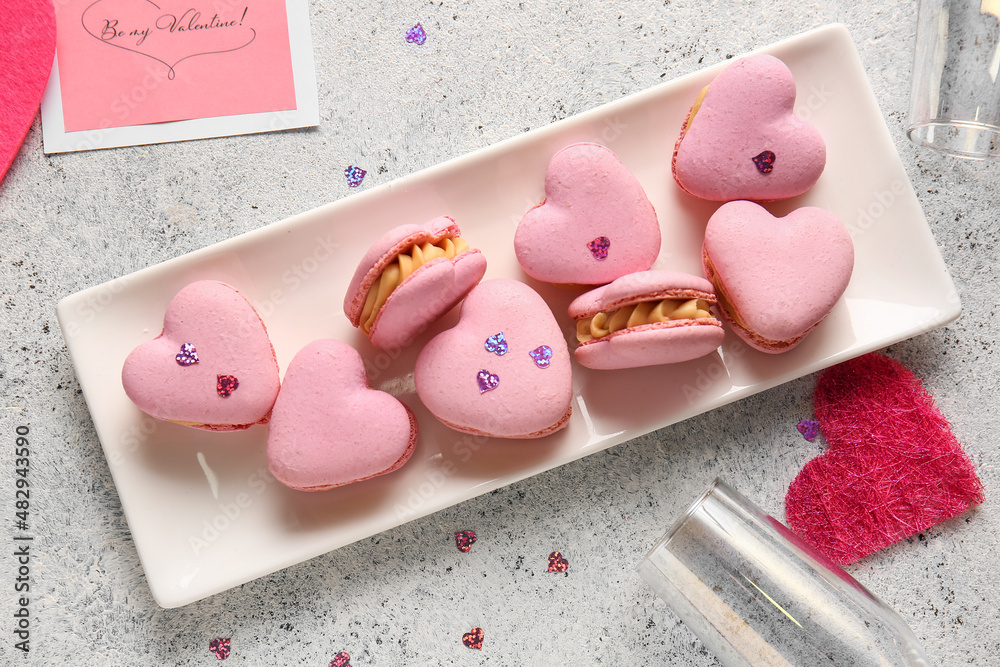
{"points": [[645, 312], [405, 263]]}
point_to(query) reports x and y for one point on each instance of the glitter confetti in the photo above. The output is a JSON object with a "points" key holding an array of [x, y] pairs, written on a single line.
{"points": [[354, 176], [464, 540], [497, 344], [542, 356], [342, 659], [893, 469], [416, 35], [557, 563], [599, 247], [220, 647], [474, 638], [764, 162], [809, 428], [487, 381], [226, 385], [187, 356]]}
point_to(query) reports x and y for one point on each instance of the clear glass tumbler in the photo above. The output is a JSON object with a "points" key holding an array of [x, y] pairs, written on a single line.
{"points": [[955, 98], [756, 594]]}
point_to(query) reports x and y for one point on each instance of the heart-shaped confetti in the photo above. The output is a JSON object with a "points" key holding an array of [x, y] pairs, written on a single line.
{"points": [[497, 344], [416, 35], [220, 647], [487, 381], [474, 638], [557, 562], [354, 176], [542, 356], [764, 162], [27, 43], [809, 428], [225, 385], [599, 247], [464, 540], [187, 356], [894, 467], [342, 659]]}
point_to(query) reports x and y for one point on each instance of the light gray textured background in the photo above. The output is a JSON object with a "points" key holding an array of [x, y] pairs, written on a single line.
{"points": [[487, 72]]}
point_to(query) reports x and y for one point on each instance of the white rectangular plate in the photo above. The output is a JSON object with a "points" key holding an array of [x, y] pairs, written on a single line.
{"points": [[202, 508]]}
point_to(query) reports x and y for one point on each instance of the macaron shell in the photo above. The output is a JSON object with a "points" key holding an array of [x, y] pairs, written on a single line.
{"points": [[668, 342], [329, 428], [747, 110], [383, 252], [641, 286], [229, 339], [589, 194], [782, 276], [426, 295], [528, 401]]}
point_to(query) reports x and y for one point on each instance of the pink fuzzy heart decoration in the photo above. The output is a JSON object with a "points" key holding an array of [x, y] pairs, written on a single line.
{"points": [[27, 47], [893, 468]]}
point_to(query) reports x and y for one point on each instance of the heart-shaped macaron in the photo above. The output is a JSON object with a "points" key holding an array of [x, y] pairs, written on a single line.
{"points": [[894, 467], [776, 278], [329, 428], [596, 223], [471, 389], [212, 367], [27, 46], [742, 140]]}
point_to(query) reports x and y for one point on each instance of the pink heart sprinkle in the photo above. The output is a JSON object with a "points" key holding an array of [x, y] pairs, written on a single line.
{"points": [[226, 385], [474, 638], [464, 540], [342, 659], [764, 162], [557, 563], [220, 647], [487, 381], [599, 247]]}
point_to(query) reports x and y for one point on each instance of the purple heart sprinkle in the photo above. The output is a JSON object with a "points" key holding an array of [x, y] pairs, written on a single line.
{"points": [[764, 162], [599, 247], [487, 381], [542, 356], [497, 344], [416, 35], [354, 176], [187, 356], [809, 428]]}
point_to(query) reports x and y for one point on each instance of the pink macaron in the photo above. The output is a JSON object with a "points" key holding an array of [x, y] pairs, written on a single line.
{"points": [[595, 224], [410, 277], [777, 278], [645, 319], [329, 428], [212, 367], [503, 370], [742, 139]]}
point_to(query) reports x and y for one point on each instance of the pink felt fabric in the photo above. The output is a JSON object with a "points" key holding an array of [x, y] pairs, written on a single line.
{"points": [[894, 467], [27, 47], [329, 428]]}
